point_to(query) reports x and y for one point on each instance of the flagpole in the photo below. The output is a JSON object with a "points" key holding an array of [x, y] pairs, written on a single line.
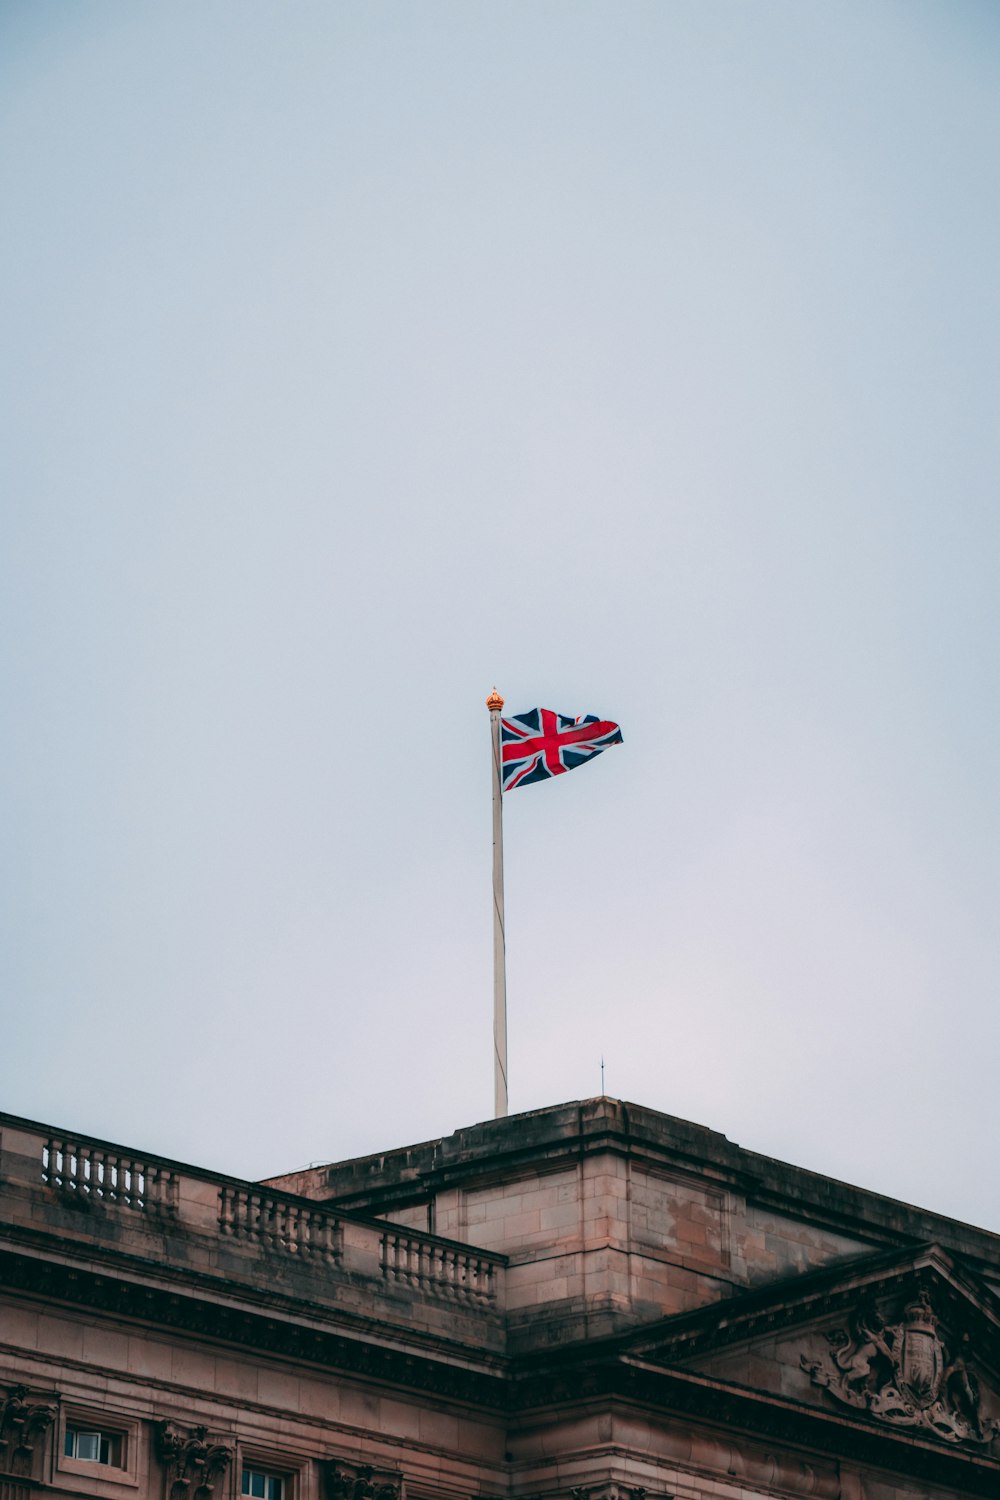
{"points": [[495, 705]]}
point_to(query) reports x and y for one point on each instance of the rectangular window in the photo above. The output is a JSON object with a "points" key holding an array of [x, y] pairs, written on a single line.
{"points": [[262, 1486], [94, 1447]]}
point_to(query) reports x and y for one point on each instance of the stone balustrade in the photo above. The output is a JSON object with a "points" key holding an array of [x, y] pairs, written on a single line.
{"points": [[117, 1197], [440, 1269], [96, 1172], [280, 1223]]}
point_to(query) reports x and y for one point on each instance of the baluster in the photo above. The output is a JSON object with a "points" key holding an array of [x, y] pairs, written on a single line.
{"points": [[59, 1149], [334, 1243]]}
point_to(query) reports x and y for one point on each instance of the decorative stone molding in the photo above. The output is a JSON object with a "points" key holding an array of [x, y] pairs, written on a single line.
{"points": [[22, 1422], [345, 1481], [608, 1491], [904, 1375], [192, 1463]]}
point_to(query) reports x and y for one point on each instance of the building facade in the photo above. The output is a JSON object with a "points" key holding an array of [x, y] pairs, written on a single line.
{"points": [[589, 1302]]}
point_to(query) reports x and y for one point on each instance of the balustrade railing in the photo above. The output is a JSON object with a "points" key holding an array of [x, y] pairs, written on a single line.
{"points": [[102, 1175], [277, 1223], [167, 1195], [443, 1270]]}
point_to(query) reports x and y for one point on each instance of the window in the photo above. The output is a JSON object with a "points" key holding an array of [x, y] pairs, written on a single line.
{"points": [[262, 1486], [102, 1446], [94, 1447]]}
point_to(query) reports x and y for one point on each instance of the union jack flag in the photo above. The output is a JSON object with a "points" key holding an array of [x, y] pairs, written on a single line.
{"points": [[540, 744]]}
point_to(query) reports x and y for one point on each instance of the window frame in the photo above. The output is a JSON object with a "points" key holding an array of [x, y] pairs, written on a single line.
{"points": [[272, 1464], [122, 1435]]}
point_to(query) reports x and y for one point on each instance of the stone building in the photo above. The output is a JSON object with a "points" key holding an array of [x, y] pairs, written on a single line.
{"points": [[589, 1302]]}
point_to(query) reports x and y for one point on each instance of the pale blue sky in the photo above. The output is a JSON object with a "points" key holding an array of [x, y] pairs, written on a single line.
{"points": [[638, 358]]}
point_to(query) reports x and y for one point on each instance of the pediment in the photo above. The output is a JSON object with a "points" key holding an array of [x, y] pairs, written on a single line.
{"points": [[907, 1342]]}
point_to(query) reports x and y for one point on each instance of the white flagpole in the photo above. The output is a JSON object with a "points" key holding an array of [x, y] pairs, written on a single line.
{"points": [[495, 705]]}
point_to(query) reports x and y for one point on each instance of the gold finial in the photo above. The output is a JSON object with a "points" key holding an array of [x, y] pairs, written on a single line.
{"points": [[494, 702]]}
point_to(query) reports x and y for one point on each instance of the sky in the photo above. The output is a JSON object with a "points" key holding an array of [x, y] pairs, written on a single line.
{"points": [[639, 359]]}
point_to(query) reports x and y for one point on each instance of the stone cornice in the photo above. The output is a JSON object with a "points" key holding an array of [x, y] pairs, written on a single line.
{"points": [[550, 1139], [796, 1300], [732, 1408], [280, 1326]]}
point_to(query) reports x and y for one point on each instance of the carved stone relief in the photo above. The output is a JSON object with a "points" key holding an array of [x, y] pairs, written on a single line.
{"points": [[193, 1464], [608, 1491], [903, 1374], [345, 1481], [22, 1423]]}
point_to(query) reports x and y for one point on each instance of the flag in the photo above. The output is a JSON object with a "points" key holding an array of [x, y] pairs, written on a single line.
{"points": [[540, 744]]}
